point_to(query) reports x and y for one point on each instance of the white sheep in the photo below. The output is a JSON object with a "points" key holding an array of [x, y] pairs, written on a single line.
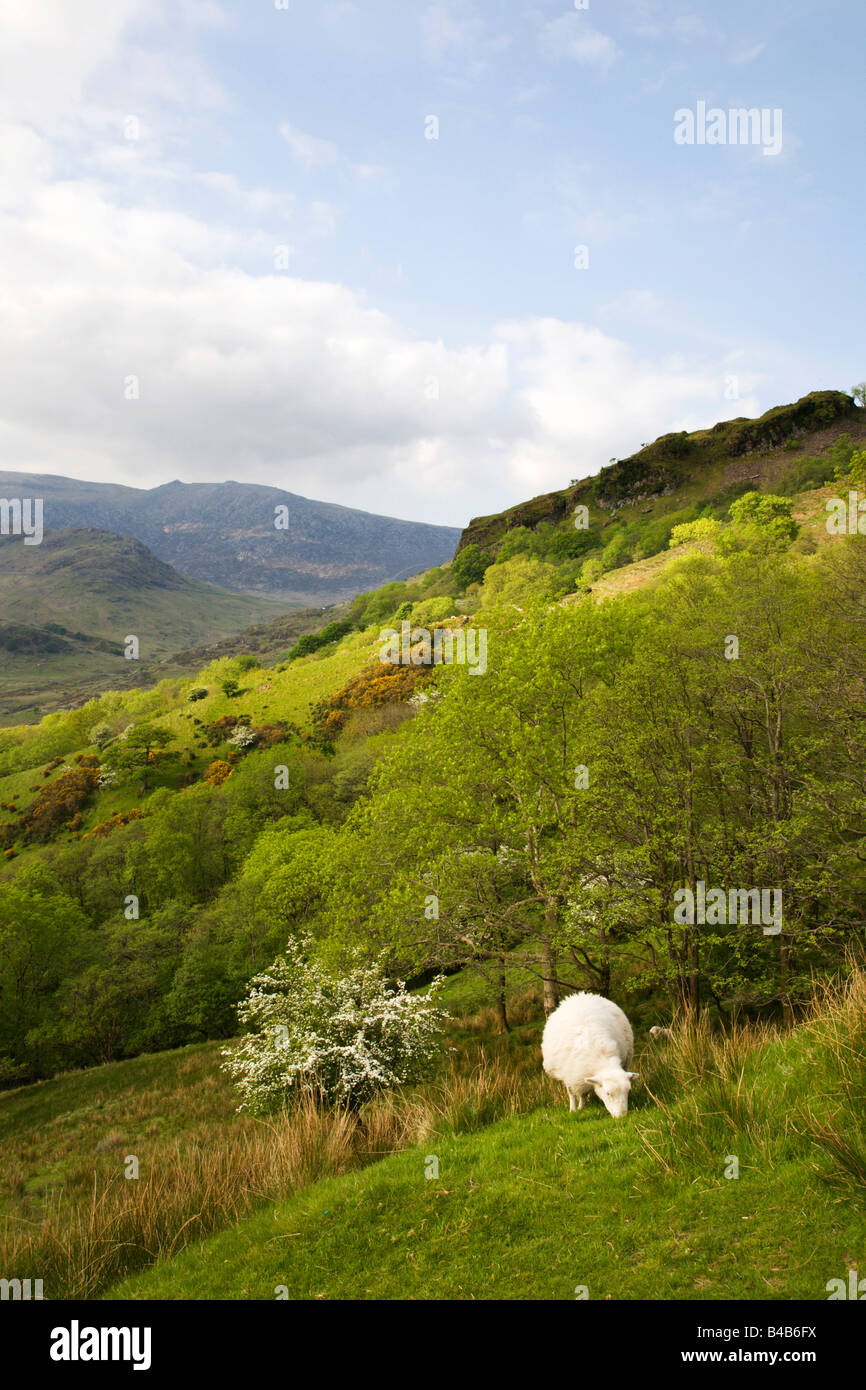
{"points": [[658, 1032], [587, 1045]]}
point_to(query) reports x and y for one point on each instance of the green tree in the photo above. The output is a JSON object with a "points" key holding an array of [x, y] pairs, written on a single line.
{"points": [[470, 565], [136, 751], [764, 518]]}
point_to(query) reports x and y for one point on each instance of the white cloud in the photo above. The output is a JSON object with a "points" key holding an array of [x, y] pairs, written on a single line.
{"points": [[310, 152], [49, 49], [275, 379], [245, 372], [569, 36], [750, 54], [583, 395], [369, 173], [458, 37]]}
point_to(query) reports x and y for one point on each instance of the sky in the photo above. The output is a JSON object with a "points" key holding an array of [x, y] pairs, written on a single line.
{"points": [[424, 259]]}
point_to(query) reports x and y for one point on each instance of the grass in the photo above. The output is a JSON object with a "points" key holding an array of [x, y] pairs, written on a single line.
{"points": [[68, 1209], [267, 695], [528, 1208], [530, 1201]]}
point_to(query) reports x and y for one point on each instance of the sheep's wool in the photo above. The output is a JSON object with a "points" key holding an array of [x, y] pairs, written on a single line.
{"points": [[588, 1045]]}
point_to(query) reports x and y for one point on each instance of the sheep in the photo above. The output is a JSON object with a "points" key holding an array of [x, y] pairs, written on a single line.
{"points": [[588, 1045], [658, 1032]]}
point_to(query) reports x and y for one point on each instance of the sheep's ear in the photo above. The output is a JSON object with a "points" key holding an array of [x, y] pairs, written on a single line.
{"points": [[632, 1075]]}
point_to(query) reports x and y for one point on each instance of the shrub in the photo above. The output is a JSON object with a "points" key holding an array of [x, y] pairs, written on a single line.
{"points": [[767, 514], [199, 693], [267, 735], [376, 684], [313, 641], [56, 804], [243, 737], [705, 530], [469, 566], [217, 773], [114, 822], [345, 1036]]}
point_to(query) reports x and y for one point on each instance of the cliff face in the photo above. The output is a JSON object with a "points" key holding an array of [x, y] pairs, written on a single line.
{"points": [[696, 463]]}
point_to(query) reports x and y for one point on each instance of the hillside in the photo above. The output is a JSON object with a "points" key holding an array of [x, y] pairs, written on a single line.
{"points": [[224, 534], [161, 847], [682, 470], [68, 605], [528, 1201]]}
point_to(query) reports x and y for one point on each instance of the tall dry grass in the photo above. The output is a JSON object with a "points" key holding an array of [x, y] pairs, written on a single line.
{"points": [[837, 1027], [195, 1184], [763, 1091]]}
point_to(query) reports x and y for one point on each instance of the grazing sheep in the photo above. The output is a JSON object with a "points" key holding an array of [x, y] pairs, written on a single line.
{"points": [[658, 1032], [587, 1044]]}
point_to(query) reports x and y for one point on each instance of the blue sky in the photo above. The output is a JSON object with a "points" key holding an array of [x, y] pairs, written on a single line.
{"points": [[235, 254]]}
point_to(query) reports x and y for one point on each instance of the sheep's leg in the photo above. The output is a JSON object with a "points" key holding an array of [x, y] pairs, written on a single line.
{"points": [[582, 1100], [571, 1105]]}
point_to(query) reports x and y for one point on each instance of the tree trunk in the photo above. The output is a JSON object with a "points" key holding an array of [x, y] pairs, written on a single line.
{"points": [[551, 983], [500, 1002]]}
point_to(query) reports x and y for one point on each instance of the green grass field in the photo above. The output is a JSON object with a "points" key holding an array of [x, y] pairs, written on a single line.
{"points": [[528, 1208], [477, 1185]]}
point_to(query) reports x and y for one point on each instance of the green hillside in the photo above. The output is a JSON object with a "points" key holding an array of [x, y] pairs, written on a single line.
{"points": [[527, 1201], [631, 710], [678, 471], [69, 603]]}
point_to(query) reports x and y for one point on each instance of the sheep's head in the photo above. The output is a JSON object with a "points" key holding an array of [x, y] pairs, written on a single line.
{"points": [[612, 1087]]}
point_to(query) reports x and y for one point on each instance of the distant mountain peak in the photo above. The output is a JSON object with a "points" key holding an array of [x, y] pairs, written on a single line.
{"points": [[224, 533]]}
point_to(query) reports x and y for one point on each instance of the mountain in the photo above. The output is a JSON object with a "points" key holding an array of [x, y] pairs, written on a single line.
{"points": [[68, 605], [685, 469], [224, 533]]}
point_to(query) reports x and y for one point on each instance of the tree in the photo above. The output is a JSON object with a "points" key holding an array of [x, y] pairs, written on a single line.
{"points": [[138, 750], [705, 531], [510, 801], [469, 566], [43, 937], [344, 1036], [859, 393], [518, 581], [761, 518]]}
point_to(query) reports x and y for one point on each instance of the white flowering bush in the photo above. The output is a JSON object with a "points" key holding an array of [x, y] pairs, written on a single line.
{"points": [[243, 737], [346, 1036]]}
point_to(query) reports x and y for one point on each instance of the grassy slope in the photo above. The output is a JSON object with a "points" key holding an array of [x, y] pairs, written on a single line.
{"points": [[530, 1208], [527, 1207], [49, 1131], [268, 695], [103, 587]]}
